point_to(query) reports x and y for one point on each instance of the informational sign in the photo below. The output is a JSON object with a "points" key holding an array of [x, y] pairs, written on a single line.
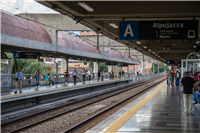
{"points": [[168, 62], [26, 55], [158, 30], [112, 63]]}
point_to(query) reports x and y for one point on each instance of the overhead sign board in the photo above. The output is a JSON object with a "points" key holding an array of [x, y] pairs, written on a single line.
{"points": [[158, 30], [168, 62], [26, 55], [112, 63]]}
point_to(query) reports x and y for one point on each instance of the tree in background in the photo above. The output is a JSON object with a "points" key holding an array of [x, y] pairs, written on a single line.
{"points": [[161, 67], [102, 66], [28, 66]]}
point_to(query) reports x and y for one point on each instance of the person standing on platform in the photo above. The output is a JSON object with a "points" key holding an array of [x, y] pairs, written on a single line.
{"points": [[37, 76], [111, 74], [89, 73], [169, 76], [66, 74], [74, 74], [188, 83], [120, 73], [83, 74], [177, 77], [49, 78], [123, 73], [18, 80], [196, 76], [99, 75]]}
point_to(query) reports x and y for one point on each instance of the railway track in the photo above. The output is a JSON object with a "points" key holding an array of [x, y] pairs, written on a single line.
{"points": [[101, 97]]}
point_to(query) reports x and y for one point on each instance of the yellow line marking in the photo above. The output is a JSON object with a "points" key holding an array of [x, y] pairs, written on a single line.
{"points": [[55, 88], [118, 123]]}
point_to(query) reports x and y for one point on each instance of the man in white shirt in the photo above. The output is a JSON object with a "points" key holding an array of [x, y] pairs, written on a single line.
{"points": [[89, 75], [18, 80]]}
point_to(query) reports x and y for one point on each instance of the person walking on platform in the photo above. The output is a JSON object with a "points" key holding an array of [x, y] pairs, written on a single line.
{"points": [[66, 74], [169, 76], [83, 74], [101, 75], [18, 80], [89, 73], [74, 74], [37, 76], [188, 83], [49, 78], [177, 77], [172, 77]]}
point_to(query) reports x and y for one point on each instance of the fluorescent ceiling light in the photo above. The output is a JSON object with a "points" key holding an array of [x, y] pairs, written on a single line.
{"points": [[86, 6], [138, 42], [144, 46], [113, 25], [153, 52], [197, 42], [149, 49], [194, 46]]}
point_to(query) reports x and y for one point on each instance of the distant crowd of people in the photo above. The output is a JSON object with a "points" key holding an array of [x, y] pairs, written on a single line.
{"points": [[191, 88]]}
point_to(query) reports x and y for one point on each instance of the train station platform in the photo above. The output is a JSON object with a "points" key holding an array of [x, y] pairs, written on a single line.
{"points": [[50, 87], [31, 101], [158, 110]]}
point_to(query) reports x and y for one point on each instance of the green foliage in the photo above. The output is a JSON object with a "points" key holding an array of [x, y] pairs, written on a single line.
{"points": [[91, 66], [28, 66], [161, 67], [102, 66]]}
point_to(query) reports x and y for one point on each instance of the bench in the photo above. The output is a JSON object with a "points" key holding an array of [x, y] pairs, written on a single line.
{"points": [[43, 82]]}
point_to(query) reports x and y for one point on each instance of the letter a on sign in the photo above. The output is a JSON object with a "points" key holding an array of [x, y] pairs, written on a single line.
{"points": [[16, 55], [128, 31]]}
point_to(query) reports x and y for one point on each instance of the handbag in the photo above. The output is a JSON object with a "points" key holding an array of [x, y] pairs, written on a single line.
{"points": [[16, 79]]}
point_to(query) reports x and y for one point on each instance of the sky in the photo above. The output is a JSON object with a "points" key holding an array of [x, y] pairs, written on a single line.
{"points": [[24, 6]]}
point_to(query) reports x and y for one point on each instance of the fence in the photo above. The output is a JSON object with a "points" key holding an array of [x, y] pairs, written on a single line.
{"points": [[29, 79], [146, 77]]}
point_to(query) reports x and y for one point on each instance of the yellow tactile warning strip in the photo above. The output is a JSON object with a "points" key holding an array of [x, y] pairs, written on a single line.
{"points": [[118, 123], [55, 88]]}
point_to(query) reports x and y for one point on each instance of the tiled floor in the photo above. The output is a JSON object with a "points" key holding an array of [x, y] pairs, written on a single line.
{"points": [[163, 113], [45, 87]]}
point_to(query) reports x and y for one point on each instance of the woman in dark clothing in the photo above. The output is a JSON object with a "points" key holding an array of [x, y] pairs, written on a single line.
{"points": [[99, 75], [37, 76], [66, 74]]}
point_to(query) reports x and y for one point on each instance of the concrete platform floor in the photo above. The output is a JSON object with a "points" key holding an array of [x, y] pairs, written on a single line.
{"points": [[162, 114]]}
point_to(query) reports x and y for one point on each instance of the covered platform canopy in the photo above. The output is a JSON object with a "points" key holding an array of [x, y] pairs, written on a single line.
{"points": [[18, 34], [104, 17]]}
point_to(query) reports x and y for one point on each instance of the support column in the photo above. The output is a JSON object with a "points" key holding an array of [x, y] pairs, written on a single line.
{"points": [[56, 68], [158, 67], [153, 68], [116, 70], [9, 66], [64, 65], [96, 67], [186, 66], [181, 68], [110, 68], [97, 41], [143, 66]]}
